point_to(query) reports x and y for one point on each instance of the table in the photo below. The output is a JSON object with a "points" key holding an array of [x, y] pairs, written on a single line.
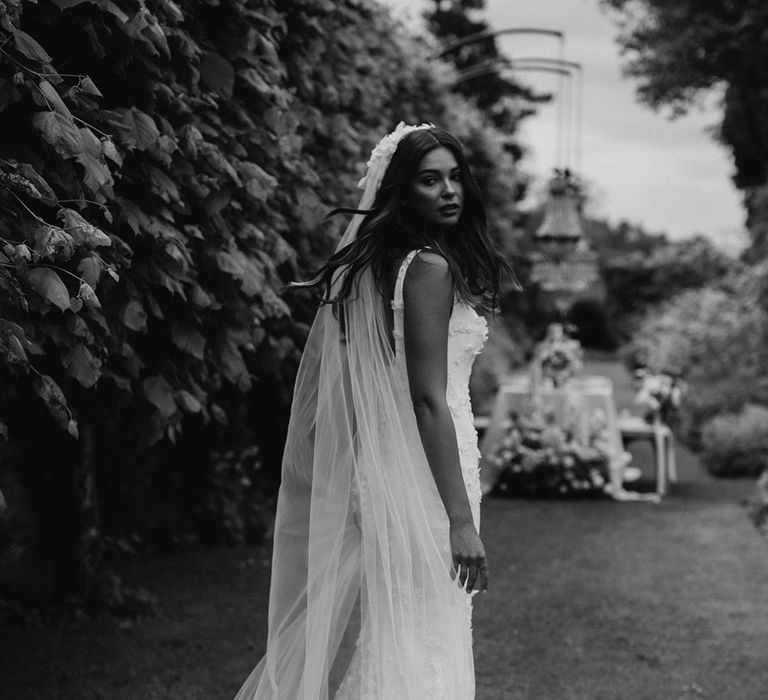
{"points": [[663, 443], [577, 402]]}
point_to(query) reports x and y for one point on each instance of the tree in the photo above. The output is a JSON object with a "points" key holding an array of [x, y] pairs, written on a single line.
{"points": [[680, 50]]}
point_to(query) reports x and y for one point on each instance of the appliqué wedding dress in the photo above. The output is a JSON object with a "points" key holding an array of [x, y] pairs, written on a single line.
{"points": [[447, 628]]}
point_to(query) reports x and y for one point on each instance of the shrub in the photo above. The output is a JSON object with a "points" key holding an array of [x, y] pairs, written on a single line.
{"points": [[693, 336], [736, 444]]}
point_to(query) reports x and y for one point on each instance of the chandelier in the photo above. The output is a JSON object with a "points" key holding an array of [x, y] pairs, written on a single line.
{"points": [[562, 262]]}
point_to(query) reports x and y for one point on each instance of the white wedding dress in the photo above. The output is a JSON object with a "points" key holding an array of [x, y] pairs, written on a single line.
{"points": [[445, 632]]}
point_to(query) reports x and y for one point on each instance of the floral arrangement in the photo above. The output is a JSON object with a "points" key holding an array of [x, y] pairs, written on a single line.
{"points": [[558, 357], [538, 457], [659, 395]]}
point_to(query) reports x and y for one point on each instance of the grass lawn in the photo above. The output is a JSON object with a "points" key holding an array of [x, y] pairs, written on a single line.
{"points": [[590, 600]]}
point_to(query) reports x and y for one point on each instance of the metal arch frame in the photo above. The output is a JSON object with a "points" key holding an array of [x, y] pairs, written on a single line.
{"points": [[479, 36], [556, 66]]}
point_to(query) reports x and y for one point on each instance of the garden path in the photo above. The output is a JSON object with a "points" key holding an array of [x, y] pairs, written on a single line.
{"points": [[589, 600]]}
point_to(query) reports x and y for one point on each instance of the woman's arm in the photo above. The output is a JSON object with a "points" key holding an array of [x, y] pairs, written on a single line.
{"points": [[428, 299]]}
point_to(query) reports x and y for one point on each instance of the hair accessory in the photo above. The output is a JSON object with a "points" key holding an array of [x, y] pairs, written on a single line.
{"points": [[382, 154]]}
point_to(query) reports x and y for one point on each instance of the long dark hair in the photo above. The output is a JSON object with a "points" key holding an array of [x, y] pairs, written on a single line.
{"points": [[389, 231]]}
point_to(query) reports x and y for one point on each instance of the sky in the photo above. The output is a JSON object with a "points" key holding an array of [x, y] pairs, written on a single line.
{"points": [[667, 175]]}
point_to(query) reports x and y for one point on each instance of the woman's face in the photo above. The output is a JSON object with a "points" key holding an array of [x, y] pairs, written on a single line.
{"points": [[436, 193]]}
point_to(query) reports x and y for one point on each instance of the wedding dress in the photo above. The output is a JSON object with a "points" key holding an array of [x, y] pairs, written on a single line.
{"points": [[449, 626], [362, 602]]}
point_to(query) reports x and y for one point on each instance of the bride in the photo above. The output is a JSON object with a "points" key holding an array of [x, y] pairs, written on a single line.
{"points": [[376, 548]]}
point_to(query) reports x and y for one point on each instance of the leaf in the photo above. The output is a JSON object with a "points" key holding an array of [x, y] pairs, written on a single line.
{"points": [[218, 161], [15, 346], [22, 251], [66, 4], [53, 397], [89, 87], [231, 261], [90, 270], [48, 284], [82, 365], [121, 382], [232, 365], [188, 339], [217, 74], [252, 78], [83, 232], [188, 401], [138, 130], [53, 99], [110, 151], [88, 296], [27, 171], [159, 393], [97, 177], [29, 47], [51, 240], [133, 316], [200, 297], [219, 415], [103, 5], [253, 280], [162, 185], [172, 10], [60, 132]]}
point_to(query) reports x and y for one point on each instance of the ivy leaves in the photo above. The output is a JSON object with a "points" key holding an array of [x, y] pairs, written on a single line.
{"points": [[131, 206], [48, 284]]}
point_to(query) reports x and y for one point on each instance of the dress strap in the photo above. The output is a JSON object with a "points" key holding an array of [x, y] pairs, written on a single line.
{"points": [[397, 299]]}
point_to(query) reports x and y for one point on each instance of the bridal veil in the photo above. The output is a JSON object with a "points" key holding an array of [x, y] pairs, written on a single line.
{"points": [[359, 561]]}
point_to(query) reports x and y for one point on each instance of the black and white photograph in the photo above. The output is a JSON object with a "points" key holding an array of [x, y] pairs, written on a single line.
{"points": [[383, 350]]}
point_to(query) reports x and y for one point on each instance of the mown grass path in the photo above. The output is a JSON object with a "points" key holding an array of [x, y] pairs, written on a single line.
{"points": [[598, 600], [590, 600]]}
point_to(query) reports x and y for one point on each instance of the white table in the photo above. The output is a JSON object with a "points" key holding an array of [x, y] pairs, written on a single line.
{"points": [[662, 441]]}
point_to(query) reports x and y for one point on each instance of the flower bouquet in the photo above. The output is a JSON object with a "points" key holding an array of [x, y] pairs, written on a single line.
{"points": [[658, 394], [537, 457], [558, 357]]}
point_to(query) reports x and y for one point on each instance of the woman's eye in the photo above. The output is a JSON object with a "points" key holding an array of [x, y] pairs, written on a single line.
{"points": [[456, 177], [429, 181]]}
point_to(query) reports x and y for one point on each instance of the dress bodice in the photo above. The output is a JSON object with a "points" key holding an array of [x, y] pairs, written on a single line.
{"points": [[467, 332]]}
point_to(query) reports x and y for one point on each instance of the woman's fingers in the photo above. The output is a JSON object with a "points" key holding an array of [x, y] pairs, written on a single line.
{"points": [[472, 573]]}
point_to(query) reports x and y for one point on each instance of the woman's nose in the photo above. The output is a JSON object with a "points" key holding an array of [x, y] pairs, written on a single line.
{"points": [[448, 189]]}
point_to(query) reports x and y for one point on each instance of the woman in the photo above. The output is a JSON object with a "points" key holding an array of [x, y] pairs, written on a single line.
{"points": [[376, 550]]}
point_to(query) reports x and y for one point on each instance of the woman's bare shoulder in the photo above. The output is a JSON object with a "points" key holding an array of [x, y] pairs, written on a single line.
{"points": [[430, 258], [429, 273]]}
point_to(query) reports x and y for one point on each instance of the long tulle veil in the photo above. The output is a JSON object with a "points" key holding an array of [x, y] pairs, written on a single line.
{"points": [[355, 544]]}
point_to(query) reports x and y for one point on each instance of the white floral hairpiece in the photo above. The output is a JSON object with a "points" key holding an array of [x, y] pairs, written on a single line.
{"points": [[382, 154]]}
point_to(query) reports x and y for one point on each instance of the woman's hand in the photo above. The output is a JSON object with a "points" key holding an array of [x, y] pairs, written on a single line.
{"points": [[468, 555]]}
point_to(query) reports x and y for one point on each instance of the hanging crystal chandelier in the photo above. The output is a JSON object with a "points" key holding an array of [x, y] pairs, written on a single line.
{"points": [[562, 262]]}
